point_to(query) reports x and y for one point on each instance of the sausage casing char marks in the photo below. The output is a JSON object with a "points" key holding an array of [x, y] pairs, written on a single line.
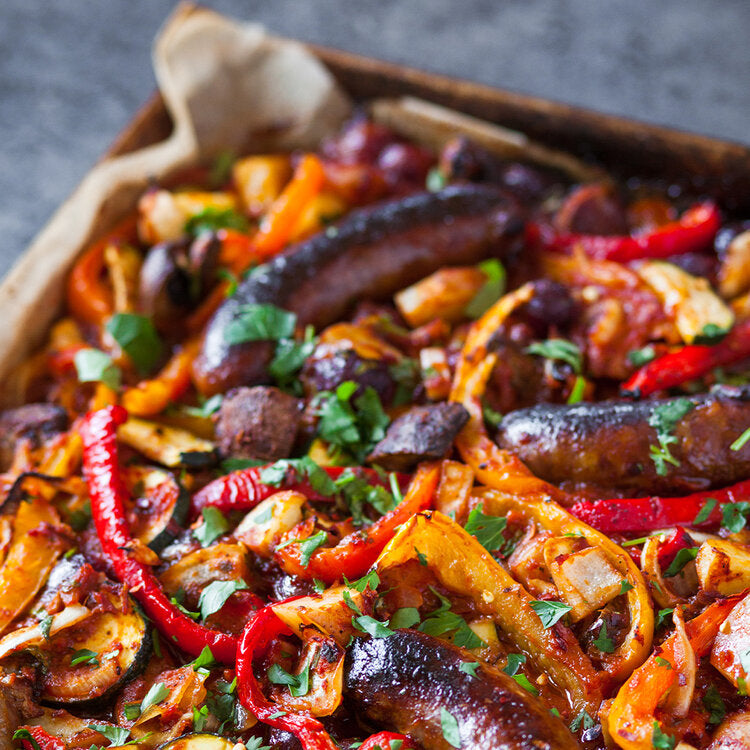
{"points": [[370, 254], [607, 444], [405, 680]]}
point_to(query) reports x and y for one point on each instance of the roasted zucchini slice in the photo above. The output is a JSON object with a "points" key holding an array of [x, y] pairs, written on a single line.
{"points": [[159, 507], [198, 742], [169, 446], [88, 662]]}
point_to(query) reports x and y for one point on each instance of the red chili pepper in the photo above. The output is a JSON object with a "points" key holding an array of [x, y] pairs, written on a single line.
{"points": [[693, 232], [689, 363], [108, 494], [258, 635], [243, 489], [383, 741], [43, 740], [635, 515], [354, 554]]}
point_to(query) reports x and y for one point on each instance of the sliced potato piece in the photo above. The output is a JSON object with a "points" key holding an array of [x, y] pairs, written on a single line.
{"points": [[444, 294], [267, 521], [586, 578], [260, 180], [734, 272], [169, 446], [723, 567], [699, 313]]}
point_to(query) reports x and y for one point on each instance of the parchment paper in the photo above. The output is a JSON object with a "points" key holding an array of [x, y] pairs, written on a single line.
{"points": [[226, 85]]}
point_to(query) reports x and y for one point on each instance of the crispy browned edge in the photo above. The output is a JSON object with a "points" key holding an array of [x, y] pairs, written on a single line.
{"points": [[627, 147]]}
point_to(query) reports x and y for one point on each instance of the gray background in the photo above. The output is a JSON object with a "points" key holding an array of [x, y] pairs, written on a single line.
{"points": [[72, 72]]}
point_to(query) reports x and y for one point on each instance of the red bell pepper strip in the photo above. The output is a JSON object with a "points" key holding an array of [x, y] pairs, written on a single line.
{"points": [[668, 549], [634, 515], [259, 633], [243, 489], [382, 741], [41, 740], [693, 232], [355, 553], [689, 363], [108, 494]]}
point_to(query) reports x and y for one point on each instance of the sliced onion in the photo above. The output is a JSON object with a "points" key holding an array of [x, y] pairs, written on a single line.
{"points": [[681, 695], [34, 635]]}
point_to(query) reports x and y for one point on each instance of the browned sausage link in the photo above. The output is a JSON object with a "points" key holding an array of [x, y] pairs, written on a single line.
{"points": [[607, 444], [371, 253], [406, 679]]}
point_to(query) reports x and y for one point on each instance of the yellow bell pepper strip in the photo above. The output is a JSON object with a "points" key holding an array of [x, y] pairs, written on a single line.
{"points": [[277, 225], [150, 397], [494, 467], [463, 566], [550, 516], [632, 720], [38, 541]]}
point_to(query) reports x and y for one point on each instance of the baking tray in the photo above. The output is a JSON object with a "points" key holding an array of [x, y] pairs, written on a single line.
{"points": [[627, 148]]}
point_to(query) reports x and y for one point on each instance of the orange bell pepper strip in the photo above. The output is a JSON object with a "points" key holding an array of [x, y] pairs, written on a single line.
{"points": [[89, 298], [355, 553], [632, 720], [277, 225], [152, 396]]}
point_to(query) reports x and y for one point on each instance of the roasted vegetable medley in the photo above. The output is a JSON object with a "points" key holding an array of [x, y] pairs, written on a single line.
{"points": [[375, 447]]}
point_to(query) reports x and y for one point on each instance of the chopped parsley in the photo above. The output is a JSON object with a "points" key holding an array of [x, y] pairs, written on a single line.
{"points": [[660, 740], [84, 656], [582, 720], [640, 357], [662, 662], [450, 728], [44, 626], [421, 557], [625, 586], [734, 515], [138, 338], [490, 292], [204, 659], [664, 418], [442, 621], [213, 526], [299, 684], [681, 559], [116, 735], [714, 704], [706, 510], [156, 694], [577, 391], [470, 667], [307, 546], [435, 180], [560, 349], [260, 323], [488, 530], [212, 218], [405, 617], [200, 716], [662, 615], [215, 595], [603, 642], [95, 366], [550, 612], [514, 663]]}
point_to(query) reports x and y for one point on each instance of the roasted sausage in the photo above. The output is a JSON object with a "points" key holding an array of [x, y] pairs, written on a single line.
{"points": [[608, 444], [421, 434], [406, 679], [372, 253]]}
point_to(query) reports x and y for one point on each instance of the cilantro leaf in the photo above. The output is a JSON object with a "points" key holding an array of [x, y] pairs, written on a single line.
{"points": [[406, 617], [156, 694], [470, 667], [115, 735], [95, 366], [138, 338], [280, 472], [370, 579], [681, 559], [450, 728], [212, 218], [734, 515], [44, 626], [525, 683], [514, 663], [371, 626], [298, 684], [491, 290], [488, 530], [714, 704], [560, 349], [640, 357], [443, 621], [131, 711], [260, 323], [200, 716], [603, 642], [625, 586], [213, 526], [662, 615], [214, 596], [550, 612], [582, 719], [706, 510], [662, 662], [660, 740], [664, 419], [84, 656], [204, 659]]}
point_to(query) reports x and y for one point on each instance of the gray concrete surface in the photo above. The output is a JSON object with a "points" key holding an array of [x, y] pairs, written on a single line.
{"points": [[73, 71]]}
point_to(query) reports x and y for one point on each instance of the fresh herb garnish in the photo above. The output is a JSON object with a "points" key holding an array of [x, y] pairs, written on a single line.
{"points": [[582, 719], [660, 740], [200, 717], [640, 357], [435, 180], [681, 559], [260, 323], [156, 694], [295, 469], [706, 510], [95, 366], [577, 391], [514, 663], [734, 515], [84, 656], [488, 530], [138, 338], [714, 704], [450, 728], [470, 667], [116, 735], [741, 440], [662, 662], [214, 596], [44, 626], [421, 557], [299, 684], [625, 586], [204, 659], [603, 642], [550, 612], [662, 615], [442, 621], [370, 579], [212, 218], [525, 683], [560, 349], [664, 419], [491, 290], [406, 617], [213, 526]]}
